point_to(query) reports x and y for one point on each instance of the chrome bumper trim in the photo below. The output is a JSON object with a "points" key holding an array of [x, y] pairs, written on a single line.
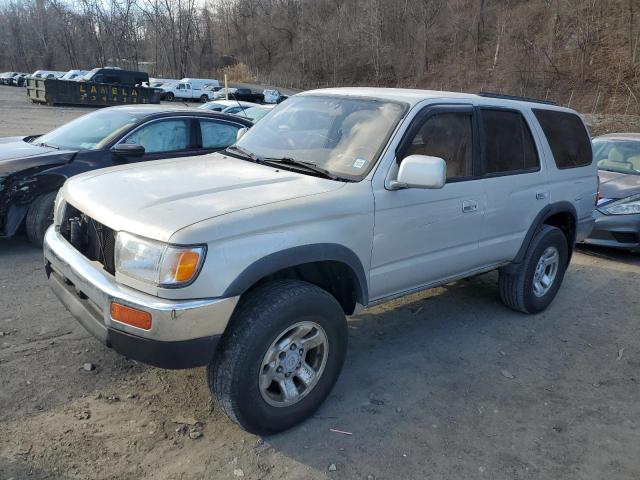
{"points": [[87, 291]]}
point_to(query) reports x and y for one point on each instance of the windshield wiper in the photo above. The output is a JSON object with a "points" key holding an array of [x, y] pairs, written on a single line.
{"points": [[244, 153], [308, 166]]}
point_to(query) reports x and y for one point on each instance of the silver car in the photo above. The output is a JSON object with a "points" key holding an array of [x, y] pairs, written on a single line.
{"points": [[617, 217], [247, 261]]}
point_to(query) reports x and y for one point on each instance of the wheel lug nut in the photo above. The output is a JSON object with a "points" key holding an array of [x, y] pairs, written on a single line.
{"points": [[287, 375], [293, 346], [279, 369], [299, 365], [282, 355], [301, 351]]}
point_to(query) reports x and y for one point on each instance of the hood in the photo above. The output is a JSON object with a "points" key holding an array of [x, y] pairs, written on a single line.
{"points": [[618, 185], [17, 155], [156, 199]]}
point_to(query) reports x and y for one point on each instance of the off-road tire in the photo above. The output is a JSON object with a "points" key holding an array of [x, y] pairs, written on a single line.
{"points": [[169, 97], [516, 288], [40, 217], [259, 319]]}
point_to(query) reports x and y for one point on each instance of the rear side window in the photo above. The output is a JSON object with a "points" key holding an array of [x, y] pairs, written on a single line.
{"points": [[507, 143], [567, 137], [218, 134]]}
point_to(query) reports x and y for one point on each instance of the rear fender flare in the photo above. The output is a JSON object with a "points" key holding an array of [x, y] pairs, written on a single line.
{"points": [[543, 215]]}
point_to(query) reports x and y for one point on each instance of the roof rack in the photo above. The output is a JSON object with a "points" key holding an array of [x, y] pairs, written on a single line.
{"points": [[515, 97]]}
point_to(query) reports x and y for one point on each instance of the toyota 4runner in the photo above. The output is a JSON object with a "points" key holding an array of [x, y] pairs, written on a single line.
{"points": [[247, 261]]}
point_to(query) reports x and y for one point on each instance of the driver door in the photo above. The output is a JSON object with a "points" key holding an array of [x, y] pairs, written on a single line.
{"points": [[423, 236], [164, 138]]}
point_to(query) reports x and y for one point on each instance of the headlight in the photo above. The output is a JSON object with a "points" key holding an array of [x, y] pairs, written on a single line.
{"points": [[58, 208], [626, 206], [155, 262]]}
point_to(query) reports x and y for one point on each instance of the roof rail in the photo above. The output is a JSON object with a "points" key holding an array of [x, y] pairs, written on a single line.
{"points": [[515, 97]]}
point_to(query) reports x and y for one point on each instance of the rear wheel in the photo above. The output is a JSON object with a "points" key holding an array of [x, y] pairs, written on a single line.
{"points": [[40, 217], [280, 356], [169, 97], [204, 99], [536, 282]]}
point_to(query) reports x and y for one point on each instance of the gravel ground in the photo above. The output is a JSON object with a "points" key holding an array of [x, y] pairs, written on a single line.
{"points": [[443, 384]]}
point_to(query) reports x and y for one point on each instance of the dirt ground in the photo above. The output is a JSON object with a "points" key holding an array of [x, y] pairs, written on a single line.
{"points": [[446, 384]]}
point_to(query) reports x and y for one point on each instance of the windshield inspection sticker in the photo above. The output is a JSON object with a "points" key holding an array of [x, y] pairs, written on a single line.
{"points": [[359, 163]]}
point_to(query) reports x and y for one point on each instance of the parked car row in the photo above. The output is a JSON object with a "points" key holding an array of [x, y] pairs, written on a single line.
{"points": [[247, 260], [15, 79], [18, 79]]}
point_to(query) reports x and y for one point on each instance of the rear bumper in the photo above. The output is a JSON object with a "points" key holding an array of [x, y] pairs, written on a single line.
{"points": [[183, 334], [616, 231]]}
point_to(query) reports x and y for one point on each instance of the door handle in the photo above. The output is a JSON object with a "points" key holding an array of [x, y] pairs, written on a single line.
{"points": [[469, 206], [541, 195]]}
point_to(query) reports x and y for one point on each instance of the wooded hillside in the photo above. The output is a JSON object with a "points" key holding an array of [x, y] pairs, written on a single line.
{"points": [[586, 52]]}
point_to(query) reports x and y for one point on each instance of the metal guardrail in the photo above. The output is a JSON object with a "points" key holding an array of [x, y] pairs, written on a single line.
{"points": [[67, 92]]}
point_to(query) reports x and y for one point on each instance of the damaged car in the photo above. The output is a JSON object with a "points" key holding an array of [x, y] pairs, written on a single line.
{"points": [[33, 168]]}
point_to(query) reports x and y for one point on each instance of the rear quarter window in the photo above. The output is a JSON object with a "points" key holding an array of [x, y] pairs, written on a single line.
{"points": [[567, 137]]}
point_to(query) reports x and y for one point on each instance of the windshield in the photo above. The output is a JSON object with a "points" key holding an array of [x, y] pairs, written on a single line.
{"points": [[621, 156], [89, 76], [342, 135], [90, 132]]}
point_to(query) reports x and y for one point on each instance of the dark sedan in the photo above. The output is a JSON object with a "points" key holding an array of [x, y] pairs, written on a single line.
{"points": [[618, 214], [32, 169]]}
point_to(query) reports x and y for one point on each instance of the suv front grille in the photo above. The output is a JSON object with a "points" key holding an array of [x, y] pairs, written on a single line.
{"points": [[91, 238]]}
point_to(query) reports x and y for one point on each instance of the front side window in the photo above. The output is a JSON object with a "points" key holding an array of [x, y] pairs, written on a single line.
{"points": [[218, 134], [567, 137], [508, 144], [447, 136], [162, 136], [342, 135], [620, 156]]}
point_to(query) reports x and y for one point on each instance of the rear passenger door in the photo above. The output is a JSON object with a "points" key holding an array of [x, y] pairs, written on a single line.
{"points": [[514, 182]]}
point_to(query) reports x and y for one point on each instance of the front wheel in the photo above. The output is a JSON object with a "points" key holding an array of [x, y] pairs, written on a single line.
{"points": [[40, 217], [280, 357], [536, 282], [169, 97], [204, 99]]}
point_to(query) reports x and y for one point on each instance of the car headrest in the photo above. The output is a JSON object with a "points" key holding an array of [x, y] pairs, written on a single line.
{"points": [[616, 155]]}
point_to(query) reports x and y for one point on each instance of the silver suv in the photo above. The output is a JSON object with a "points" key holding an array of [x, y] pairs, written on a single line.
{"points": [[247, 261]]}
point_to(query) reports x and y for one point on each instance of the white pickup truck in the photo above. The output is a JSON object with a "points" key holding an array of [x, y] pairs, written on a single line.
{"points": [[191, 89]]}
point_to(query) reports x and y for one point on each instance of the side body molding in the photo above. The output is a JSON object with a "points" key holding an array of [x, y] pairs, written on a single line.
{"points": [[300, 255]]}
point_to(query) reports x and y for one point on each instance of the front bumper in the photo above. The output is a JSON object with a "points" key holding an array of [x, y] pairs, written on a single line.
{"points": [[183, 333], [616, 231]]}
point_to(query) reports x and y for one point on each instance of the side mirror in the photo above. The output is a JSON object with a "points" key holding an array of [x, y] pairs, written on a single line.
{"points": [[240, 133], [128, 150], [421, 171]]}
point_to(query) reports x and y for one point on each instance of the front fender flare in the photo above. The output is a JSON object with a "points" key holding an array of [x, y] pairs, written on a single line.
{"points": [[300, 255]]}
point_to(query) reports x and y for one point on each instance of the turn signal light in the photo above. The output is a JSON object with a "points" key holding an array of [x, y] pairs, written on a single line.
{"points": [[131, 316], [186, 266]]}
